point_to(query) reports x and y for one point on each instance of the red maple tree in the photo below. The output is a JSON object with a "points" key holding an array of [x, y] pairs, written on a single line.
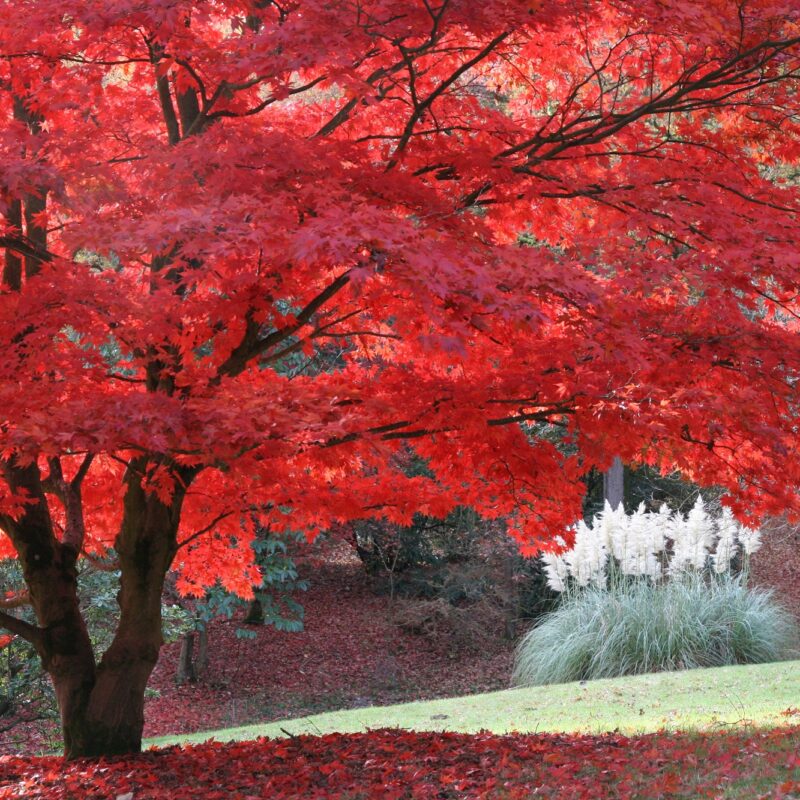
{"points": [[256, 250]]}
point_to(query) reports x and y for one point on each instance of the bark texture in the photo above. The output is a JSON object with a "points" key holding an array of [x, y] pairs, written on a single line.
{"points": [[614, 483]]}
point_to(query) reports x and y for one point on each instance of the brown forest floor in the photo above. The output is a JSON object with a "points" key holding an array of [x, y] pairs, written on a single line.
{"points": [[348, 655], [777, 565]]}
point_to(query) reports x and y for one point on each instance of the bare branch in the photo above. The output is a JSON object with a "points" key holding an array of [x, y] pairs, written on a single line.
{"points": [[267, 101], [343, 114], [252, 346], [421, 107], [197, 534], [403, 430]]}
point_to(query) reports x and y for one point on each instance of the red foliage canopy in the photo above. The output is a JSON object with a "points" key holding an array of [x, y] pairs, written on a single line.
{"points": [[272, 244]]}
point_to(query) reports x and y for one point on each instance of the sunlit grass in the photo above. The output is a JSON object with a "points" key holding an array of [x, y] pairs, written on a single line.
{"points": [[701, 699]]}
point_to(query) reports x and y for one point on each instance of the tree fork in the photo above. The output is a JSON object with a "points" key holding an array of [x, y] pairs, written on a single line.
{"points": [[113, 720], [146, 545], [101, 705]]}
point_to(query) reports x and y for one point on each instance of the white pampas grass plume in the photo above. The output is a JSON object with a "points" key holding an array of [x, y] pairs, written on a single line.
{"points": [[637, 545], [750, 539], [728, 542], [557, 571], [587, 559], [692, 539], [644, 540]]}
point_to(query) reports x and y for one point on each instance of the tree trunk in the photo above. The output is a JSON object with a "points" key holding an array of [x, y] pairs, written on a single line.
{"points": [[255, 613], [186, 673], [109, 719], [113, 720], [201, 665], [614, 483], [190, 669]]}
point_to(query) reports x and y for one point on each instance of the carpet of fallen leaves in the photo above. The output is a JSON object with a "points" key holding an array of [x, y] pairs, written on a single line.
{"points": [[393, 764]]}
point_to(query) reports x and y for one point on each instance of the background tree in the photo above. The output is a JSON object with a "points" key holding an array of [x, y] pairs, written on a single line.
{"points": [[194, 193], [614, 483]]}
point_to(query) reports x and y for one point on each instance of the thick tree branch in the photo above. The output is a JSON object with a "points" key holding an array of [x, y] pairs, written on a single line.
{"points": [[99, 564], [12, 267], [164, 93], [31, 633], [82, 470], [24, 246], [70, 495]]}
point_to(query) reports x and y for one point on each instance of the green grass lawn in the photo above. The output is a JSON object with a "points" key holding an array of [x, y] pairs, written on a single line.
{"points": [[704, 699]]}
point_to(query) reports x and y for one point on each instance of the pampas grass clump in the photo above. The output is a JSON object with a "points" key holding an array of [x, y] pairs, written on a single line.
{"points": [[636, 625]]}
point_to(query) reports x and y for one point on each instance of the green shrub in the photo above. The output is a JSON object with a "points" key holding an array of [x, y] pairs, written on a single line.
{"points": [[638, 626], [384, 547], [535, 598]]}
